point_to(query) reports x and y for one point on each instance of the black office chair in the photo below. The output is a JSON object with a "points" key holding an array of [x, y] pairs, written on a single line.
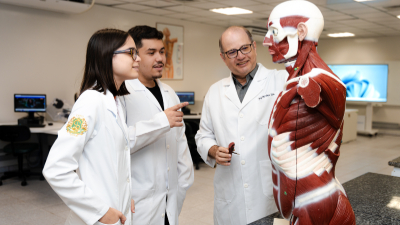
{"points": [[15, 134], [190, 132]]}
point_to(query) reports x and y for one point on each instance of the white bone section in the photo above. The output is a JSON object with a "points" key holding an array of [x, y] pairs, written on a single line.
{"points": [[333, 146], [341, 187], [306, 170], [272, 132], [318, 194], [301, 160], [329, 168], [316, 71], [293, 41], [290, 63], [280, 139], [281, 150], [304, 81]]}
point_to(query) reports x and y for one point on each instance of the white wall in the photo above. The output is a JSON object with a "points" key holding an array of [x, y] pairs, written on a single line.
{"points": [[385, 50], [44, 52]]}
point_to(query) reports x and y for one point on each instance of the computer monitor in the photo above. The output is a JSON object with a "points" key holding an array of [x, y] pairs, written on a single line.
{"points": [[186, 96], [30, 103], [364, 82]]}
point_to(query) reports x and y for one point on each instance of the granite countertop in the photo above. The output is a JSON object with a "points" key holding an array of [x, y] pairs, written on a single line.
{"points": [[375, 199], [395, 162]]}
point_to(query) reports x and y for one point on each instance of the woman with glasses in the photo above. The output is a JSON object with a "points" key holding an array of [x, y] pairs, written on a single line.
{"points": [[89, 164]]}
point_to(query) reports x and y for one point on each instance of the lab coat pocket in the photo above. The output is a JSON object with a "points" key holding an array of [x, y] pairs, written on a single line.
{"points": [[265, 103], [266, 177], [143, 206], [224, 184]]}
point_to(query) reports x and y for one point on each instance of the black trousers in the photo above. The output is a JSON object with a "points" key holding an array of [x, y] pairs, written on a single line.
{"points": [[166, 217]]}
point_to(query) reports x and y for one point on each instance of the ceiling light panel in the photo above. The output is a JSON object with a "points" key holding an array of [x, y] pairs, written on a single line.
{"points": [[207, 5], [231, 11], [344, 34]]}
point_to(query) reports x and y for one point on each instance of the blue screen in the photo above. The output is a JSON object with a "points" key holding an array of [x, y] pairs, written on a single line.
{"points": [[186, 97], [366, 83], [29, 103]]}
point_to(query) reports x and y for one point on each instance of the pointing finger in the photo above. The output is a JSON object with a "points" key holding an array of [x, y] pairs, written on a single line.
{"points": [[177, 107]]}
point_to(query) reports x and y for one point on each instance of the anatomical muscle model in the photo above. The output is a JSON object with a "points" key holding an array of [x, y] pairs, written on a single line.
{"points": [[305, 127], [168, 71]]}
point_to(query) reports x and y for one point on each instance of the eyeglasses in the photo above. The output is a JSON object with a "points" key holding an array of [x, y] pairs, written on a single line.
{"points": [[133, 51], [245, 49]]}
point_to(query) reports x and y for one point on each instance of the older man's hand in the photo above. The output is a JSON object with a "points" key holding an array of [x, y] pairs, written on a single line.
{"points": [[221, 155]]}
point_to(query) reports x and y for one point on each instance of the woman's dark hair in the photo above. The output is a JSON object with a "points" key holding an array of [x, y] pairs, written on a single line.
{"points": [[98, 73]]}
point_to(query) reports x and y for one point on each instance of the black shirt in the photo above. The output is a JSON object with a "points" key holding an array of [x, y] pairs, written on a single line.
{"points": [[157, 94]]}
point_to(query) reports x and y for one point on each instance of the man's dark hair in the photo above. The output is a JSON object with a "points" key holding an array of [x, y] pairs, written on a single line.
{"points": [[98, 74], [144, 32], [221, 49]]}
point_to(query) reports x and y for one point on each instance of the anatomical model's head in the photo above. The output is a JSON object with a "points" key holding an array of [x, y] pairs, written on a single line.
{"points": [[290, 23]]}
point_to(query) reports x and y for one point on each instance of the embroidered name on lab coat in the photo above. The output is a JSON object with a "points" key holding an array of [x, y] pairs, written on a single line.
{"points": [[264, 96]]}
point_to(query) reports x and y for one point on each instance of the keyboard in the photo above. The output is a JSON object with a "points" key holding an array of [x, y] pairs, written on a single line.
{"points": [[36, 125]]}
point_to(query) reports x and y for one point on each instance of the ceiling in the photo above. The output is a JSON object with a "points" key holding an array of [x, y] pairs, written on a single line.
{"points": [[364, 19]]}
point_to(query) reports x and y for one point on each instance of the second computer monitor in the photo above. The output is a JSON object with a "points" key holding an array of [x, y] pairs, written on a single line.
{"points": [[187, 96]]}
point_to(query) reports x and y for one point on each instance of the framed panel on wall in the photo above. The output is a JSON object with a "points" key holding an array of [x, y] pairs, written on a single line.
{"points": [[173, 43]]}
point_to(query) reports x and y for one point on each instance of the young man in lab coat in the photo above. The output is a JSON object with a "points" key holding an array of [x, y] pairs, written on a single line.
{"points": [[237, 109], [161, 165]]}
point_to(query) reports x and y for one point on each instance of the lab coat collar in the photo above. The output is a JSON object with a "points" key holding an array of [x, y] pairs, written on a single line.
{"points": [[255, 87], [138, 86], [112, 107], [110, 103], [164, 93]]}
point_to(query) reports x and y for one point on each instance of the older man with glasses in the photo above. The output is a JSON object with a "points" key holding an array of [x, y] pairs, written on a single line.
{"points": [[236, 110]]}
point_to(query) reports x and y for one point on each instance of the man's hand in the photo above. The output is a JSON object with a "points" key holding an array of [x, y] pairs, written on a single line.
{"points": [[132, 206], [221, 155], [112, 216], [174, 116]]}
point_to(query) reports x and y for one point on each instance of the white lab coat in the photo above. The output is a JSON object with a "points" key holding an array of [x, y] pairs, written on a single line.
{"points": [[101, 158], [243, 190], [161, 165]]}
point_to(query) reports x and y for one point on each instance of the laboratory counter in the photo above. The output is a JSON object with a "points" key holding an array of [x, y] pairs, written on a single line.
{"points": [[375, 199]]}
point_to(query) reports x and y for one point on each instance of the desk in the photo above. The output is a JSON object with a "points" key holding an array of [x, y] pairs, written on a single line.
{"points": [[43, 133], [53, 130], [194, 117]]}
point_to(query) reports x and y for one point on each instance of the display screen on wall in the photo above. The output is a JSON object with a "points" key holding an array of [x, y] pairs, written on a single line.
{"points": [[364, 83]]}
